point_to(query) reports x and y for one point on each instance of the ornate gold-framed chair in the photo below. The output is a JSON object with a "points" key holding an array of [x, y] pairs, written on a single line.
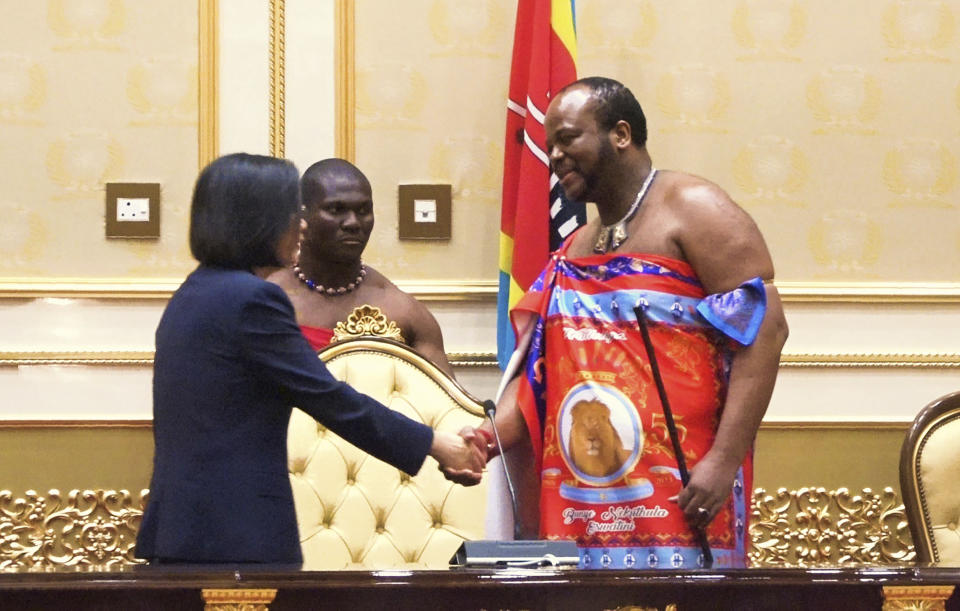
{"points": [[930, 481], [356, 512]]}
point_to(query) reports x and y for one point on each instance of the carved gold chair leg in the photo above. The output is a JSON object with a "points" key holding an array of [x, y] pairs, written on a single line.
{"points": [[236, 599], [916, 598]]}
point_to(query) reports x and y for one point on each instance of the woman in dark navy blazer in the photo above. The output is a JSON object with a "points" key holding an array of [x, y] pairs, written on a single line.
{"points": [[230, 363]]}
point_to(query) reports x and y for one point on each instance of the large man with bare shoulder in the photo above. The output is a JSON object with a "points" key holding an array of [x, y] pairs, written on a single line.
{"points": [[675, 249], [330, 280]]}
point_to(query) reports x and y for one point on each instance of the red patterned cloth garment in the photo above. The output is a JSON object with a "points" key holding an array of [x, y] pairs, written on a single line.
{"points": [[606, 463], [318, 337]]}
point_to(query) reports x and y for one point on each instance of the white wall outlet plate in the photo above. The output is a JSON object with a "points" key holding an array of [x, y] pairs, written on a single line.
{"points": [[133, 209], [425, 210]]}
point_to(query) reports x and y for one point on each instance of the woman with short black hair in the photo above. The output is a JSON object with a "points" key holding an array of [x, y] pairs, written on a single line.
{"points": [[230, 364]]}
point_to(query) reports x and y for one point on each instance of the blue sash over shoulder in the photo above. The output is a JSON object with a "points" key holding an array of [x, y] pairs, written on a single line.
{"points": [[737, 313]]}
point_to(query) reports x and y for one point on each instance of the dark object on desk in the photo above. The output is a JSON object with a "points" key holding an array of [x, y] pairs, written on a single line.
{"points": [[526, 554]]}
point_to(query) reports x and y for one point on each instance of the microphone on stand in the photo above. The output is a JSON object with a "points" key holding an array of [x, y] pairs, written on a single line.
{"points": [[517, 553], [490, 409]]}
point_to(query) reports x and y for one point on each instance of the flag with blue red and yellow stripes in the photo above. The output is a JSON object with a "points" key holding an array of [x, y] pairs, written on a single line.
{"points": [[535, 217]]}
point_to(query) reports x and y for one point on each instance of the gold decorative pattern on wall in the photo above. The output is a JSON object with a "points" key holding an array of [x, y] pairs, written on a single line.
{"points": [[771, 170], [94, 92], [345, 136], [391, 94], [921, 171], [277, 76], [695, 98], [87, 25], [208, 77], [164, 91], [770, 30], [625, 39], [918, 30], [96, 529], [845, 99], [467, 29], [89, 529], [23, 91], [816, 527], [846, 240]]}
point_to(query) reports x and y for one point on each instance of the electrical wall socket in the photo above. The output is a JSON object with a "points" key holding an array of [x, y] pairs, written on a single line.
{"points": [[133, 210]]}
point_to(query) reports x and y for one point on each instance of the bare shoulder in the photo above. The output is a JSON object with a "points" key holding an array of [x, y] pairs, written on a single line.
{"points": [[389, 296], [717, 237], [688, 194]]}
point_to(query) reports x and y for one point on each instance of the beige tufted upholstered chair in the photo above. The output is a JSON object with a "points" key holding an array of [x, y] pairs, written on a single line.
{"points": [[356, 512], [930, 481]]}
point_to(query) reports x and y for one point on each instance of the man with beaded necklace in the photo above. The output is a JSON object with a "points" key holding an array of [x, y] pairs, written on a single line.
{"points": [[580, 394], [330, 280]]}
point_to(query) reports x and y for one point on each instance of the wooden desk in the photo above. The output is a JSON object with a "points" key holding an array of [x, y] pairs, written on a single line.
{"points": [[180, 588]]}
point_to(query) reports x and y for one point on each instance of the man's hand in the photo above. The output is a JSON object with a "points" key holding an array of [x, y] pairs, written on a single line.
{"points": [[711, 481], [461, 459]]}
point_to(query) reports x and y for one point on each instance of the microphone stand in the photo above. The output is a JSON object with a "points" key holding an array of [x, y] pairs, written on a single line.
{"points": [[671, 427], [490, 408], [516, 553]]}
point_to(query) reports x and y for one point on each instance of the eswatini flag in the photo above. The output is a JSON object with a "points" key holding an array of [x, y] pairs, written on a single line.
{"points": [[535, 217]]}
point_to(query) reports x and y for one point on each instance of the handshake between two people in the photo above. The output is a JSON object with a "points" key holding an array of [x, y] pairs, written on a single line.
{"points": [[462, 456]]}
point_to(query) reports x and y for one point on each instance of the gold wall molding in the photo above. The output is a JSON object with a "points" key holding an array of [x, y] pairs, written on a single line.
{"points": [[783, 425], [489, 359], [277, 76], [163, 288], [106, 357], [869, 292], [921, 360], [475, 290], [75, 424], [345, 85], [209, 74]]}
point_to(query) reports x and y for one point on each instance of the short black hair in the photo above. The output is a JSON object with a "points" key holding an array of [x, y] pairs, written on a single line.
{"points": [[242, 205], [613, 103], [312, 182]]}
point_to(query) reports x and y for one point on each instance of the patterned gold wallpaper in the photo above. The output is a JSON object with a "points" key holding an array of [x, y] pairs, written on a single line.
{"points": [[94, 91], [835, 123]]}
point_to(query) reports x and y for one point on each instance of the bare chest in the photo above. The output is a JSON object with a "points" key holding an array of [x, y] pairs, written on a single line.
{"points": [[651, 230]]}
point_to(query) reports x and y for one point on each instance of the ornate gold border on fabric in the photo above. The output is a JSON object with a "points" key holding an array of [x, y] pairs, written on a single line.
{"points": [[403, 353], [209, 133], [345, 85], [277, 76]]}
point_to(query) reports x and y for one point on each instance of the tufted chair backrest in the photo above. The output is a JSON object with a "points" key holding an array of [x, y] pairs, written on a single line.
{"points": [[356, 512], [930, 481]]}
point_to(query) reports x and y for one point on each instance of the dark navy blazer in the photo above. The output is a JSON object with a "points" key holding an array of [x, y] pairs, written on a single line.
{"points": [[230, 362]]}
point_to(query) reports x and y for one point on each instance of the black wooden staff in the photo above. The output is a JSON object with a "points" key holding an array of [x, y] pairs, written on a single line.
{"points": [[671, 426]]}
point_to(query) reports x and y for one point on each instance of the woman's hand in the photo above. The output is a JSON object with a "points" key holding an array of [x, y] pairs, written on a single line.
{"points": [[461, 457]]}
